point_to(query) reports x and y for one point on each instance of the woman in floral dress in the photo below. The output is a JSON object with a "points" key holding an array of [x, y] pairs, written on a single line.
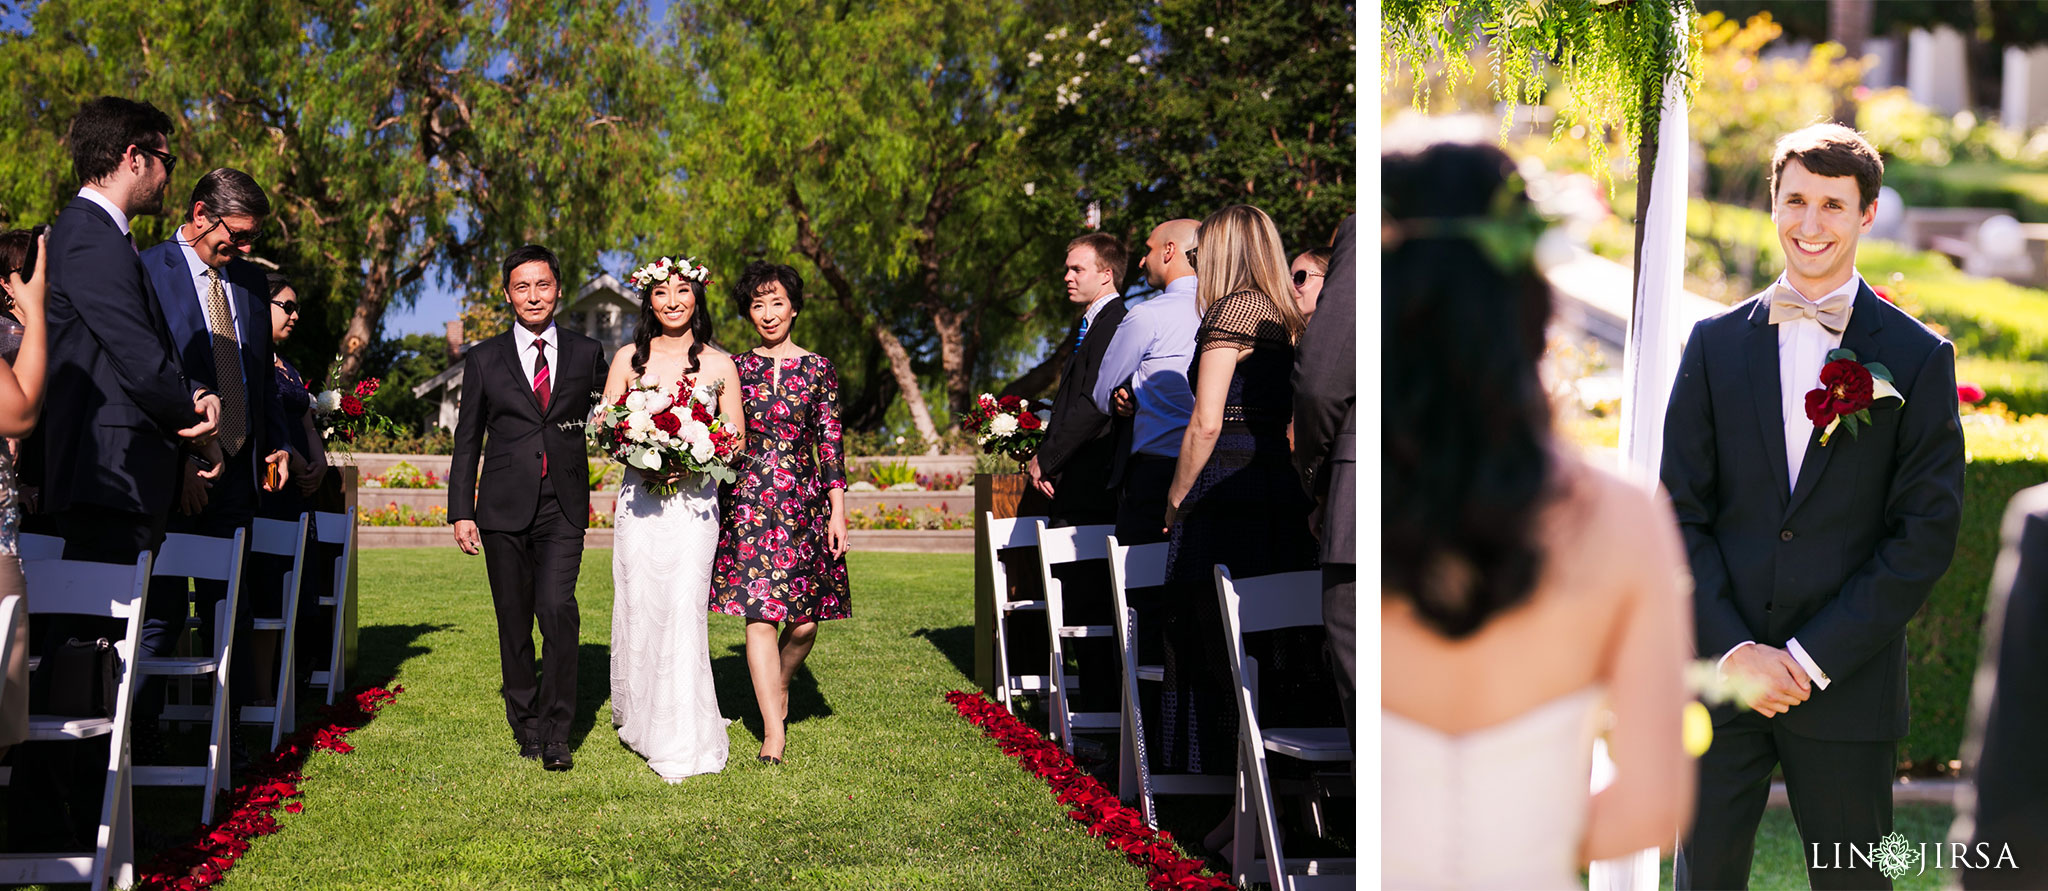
{"points": [[782, 545]]}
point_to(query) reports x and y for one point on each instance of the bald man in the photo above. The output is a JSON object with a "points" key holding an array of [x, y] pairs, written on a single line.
{"points": [[1148, 361]]}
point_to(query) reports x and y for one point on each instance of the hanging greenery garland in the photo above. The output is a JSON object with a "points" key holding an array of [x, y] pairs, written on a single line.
{"points": [[1612, 57]]}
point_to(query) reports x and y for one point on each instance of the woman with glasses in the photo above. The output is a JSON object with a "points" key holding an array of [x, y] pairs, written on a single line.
{"points": [[308, 467], [1308, 270], [21, 401]]}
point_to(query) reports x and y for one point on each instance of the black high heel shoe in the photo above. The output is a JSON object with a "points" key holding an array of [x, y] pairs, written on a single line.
{"points": [[766, 759]]}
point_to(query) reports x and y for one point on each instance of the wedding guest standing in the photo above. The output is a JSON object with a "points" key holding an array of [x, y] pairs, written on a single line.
{"points": [[1235, 499], [21, 400], [1309, 271], [1144, 376], [307, 467], [2002, 813], [782, 548], [213, 300], [1326, 453], [1510, 621], [1079, 454]]}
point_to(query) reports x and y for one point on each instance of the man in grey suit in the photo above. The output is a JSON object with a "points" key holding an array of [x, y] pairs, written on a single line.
{"points": [[1326, 453]]}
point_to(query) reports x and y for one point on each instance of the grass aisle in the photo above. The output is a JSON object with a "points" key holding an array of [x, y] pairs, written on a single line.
{"points": [[885, 786]]}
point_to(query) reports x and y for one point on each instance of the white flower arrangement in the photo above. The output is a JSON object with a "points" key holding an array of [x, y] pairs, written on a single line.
{"points": [[665, 268]]}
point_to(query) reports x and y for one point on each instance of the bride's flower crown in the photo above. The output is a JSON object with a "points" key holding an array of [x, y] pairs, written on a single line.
{"points": [[665, 268]]}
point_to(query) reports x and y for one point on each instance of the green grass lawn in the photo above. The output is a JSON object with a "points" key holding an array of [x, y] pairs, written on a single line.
{"points": [[1778, 863], [885, 787]]}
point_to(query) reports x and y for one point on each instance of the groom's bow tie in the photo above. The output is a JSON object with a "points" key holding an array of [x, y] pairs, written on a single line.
{"points": [[1832, 312]]}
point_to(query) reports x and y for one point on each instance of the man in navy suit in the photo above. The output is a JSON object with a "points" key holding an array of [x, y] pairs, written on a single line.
{"points": [[115, 417], [1810, 552], [215, 303]]}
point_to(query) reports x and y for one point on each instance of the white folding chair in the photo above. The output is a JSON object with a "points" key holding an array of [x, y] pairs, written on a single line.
{"points": [[77, 587], [220, 560], [1265, 603], [32, 546], [1144, 566], [1058, 547], [283, 538], [336, 529], [1012, 532]]}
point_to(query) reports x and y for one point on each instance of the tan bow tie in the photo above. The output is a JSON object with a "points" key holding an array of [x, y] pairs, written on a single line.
{"points": [[1832, 312]]}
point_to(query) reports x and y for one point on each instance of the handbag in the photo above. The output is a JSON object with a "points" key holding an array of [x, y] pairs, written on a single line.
{"points": [[77, 679]]}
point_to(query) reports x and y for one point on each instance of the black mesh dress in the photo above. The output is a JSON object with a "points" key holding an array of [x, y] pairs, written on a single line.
{"points": [[1246, 511]]}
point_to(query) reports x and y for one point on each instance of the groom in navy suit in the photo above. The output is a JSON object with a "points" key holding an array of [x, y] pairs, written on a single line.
{"points": [[1810, 552]]}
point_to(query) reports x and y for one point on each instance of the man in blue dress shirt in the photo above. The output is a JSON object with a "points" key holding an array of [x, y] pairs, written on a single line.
{"points": [[1144, 374]]}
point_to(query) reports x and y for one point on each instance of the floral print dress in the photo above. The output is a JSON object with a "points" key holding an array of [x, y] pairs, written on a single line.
{"points": [[774, 557]]}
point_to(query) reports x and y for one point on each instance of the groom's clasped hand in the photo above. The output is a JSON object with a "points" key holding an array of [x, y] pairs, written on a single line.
{"points": [[1774, 677]]}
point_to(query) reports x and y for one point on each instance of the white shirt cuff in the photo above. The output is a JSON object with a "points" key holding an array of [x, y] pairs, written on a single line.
{"points": [[1731, 652], [1819, 678]]}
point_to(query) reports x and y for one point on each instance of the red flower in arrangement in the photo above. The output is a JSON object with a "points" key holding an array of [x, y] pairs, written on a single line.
{"points": [[368, 388], [204, 861], [1011, 403], [1088, 801], [668, 422], [1970, 394], [1029, 421], [352, 406]]}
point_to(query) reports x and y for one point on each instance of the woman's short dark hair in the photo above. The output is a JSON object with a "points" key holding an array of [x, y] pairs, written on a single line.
{"points": [[104, 129], [1466, 436], [759, 274], [276, 282], [14, 244], [528, 254]]}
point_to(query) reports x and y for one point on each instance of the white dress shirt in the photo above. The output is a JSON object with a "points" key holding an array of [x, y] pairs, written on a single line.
{"points": [[1803, 347], [113, 210], [523, 339]]}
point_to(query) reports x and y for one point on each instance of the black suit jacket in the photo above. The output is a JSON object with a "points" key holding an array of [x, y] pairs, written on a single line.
{"points": [[1842, 559], [1079, 448], [116, 397], [2007, 799], [502, 422], [177, 294], [1325, 397]]}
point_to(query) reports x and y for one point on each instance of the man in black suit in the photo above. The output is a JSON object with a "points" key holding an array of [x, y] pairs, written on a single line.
{"points": [[1326, 451], [115, 416], [216, 305], [118, 407], [1074, 460], [2002, 815], [1811, 546], [525, 397]]}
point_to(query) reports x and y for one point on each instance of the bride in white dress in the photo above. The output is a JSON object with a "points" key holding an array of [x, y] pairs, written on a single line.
{"points": [[663, 702], [1529, 601]]}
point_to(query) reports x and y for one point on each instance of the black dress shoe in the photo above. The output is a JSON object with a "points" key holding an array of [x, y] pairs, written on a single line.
{"points": [[529, 749], [555, 756]]}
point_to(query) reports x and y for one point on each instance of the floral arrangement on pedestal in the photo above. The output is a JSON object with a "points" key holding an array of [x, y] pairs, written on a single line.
{"points": [[1006, 426], [667, 429]]}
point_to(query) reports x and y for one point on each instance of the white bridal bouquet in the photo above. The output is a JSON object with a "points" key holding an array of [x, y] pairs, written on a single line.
{"points": [[667, 428]]}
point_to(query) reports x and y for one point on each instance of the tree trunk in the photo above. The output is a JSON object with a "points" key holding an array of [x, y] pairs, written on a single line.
{"points": [[1848, 25], [952, 327], [1646, 168], [906, 381]]}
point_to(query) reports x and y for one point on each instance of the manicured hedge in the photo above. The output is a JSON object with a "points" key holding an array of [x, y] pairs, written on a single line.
{"points": [[1972, 184]]}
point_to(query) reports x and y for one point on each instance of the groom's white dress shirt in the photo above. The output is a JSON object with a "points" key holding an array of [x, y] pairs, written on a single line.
{"points": [[1803, 347], [523, 339]]}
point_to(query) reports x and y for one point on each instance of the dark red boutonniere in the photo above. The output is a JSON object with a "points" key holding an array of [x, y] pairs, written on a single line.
{"points": [[1848, 389]]}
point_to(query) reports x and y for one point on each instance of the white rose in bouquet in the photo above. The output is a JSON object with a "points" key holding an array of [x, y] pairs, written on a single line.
{"points": [[658, 401], [648, 381], [693, 432], [701, 450], [1002, 425], [328, 401], [639, 424]]}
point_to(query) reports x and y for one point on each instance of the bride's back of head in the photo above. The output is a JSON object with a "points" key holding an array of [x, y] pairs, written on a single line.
{"points": [[1466, 425]]}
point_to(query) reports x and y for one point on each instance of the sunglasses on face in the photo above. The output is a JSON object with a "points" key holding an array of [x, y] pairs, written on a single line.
{"points": [[240, 237], [290, 307], [169, 160], [1301, 276]]}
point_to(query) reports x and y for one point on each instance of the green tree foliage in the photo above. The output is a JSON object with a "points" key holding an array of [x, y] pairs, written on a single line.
{"points": [[396, 140], [1179, 108]]}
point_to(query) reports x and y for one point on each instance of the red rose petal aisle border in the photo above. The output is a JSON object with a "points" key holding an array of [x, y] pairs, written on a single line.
{"points": [[1088, 801], [273, 778]]}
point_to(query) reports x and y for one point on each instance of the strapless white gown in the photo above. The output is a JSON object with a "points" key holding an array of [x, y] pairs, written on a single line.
{"points": [[663, 702], [1503, 807]]}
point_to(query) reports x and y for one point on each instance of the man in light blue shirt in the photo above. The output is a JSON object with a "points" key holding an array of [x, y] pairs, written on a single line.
{"points": [[1144, 374]]}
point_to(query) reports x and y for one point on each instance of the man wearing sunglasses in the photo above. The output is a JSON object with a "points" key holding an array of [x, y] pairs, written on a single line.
{"points": [[215, 303], [116, 417]]}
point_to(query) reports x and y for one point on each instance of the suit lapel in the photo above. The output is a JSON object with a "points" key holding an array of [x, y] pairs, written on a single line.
{"points": [[518, 370], [1859, 338], [181, 303], [1760, 352]]}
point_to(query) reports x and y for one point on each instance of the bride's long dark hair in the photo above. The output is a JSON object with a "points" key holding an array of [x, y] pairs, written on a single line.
{"points": [[650, 325], [1466, 461]]}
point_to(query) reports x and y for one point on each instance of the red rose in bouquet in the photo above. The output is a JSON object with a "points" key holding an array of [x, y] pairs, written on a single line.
{"points": [[352, 406], [1848, 389]]}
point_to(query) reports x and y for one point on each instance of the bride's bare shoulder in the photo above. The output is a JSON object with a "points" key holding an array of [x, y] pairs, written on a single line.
{"points": [[1611, 507]]}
